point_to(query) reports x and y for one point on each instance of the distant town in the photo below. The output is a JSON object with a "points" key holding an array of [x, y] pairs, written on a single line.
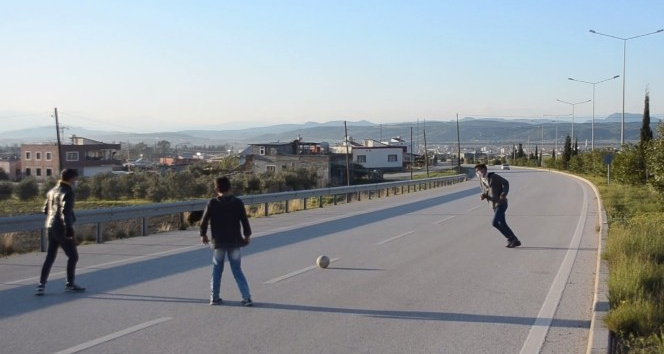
{"points": [[328, 148]]}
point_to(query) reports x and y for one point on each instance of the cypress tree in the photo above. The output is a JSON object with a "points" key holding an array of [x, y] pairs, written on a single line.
{"points": [[646, 138], [567, 152], [646, 132]]}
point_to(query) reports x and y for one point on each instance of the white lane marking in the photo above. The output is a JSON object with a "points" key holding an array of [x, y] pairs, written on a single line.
{"points": [[297, 272], [112, 336], [101, 265], [442, 221], [540, 328], [475, 208], [394, 238]]}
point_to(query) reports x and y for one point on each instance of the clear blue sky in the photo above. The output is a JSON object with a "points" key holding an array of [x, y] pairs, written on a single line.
{"points": [[154, 66]]}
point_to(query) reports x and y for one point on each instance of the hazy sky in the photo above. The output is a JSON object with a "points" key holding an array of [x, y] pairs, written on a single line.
{"points": [[152, 66]]}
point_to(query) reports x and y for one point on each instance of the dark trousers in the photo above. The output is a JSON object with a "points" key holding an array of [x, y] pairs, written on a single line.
{"points": [[55, 239], [500, 223]]}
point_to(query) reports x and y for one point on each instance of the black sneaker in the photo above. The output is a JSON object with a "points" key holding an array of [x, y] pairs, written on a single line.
{"points": [[73, 288], [40, 289], [215, 302], [247, 302], [513, 243]]}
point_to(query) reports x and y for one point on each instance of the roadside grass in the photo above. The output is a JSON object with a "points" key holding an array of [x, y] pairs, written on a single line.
{"points": [[635, 255], [433, 174], [14, 207]]}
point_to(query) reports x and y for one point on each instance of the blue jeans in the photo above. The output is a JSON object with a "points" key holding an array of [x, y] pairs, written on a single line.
{"points": [[500, 223], [235, 259]]}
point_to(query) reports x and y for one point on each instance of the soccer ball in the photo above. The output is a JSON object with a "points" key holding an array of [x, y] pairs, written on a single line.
{"points": [[323, 261]]}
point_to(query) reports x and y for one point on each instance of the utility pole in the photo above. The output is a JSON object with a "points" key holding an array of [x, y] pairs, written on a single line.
{"points": [[426, 152], [412, 155], [458, 146], [347, 155], [57, 130], [348, 195]]}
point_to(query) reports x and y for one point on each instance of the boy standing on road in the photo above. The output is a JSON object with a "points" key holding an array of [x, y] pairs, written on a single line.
{"points": [[228, 223], [494, 190], [60, 218]]}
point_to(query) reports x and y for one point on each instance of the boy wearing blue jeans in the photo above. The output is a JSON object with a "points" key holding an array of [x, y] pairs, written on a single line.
{"points": [[230, 231], [495, 189]]}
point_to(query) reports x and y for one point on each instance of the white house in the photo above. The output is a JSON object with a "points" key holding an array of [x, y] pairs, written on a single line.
{"points": [[384, 158], [374, 155]]}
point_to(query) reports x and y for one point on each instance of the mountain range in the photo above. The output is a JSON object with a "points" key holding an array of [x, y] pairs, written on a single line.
{"points": [[470, 130]]}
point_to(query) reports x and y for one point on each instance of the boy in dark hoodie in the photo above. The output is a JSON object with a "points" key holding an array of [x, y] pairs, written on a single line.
{"points": [[228, 223], [495, 189]]}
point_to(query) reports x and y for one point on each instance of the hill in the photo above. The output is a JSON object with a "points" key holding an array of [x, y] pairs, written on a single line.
{"points": [[494, 131]]}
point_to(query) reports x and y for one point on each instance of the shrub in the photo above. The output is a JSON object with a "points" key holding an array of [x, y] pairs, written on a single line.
{"points": [[96, 185], [626, 166], [141, 185], [253, 185], [156, 191], [655, 161], [126, 183], [6, 190], [27, 189], [83, 189], [201, 187], [110, 189], [637, 318]]}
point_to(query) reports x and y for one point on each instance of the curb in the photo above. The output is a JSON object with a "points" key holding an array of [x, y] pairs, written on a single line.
{"points": [[599, 338]]}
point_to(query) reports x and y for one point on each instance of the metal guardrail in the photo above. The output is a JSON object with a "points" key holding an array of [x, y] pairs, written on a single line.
{"points": [[34, 222]]}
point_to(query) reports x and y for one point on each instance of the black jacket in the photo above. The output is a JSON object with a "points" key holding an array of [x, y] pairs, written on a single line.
{"points": [[59, 209], [228, 222], [497, 186]]}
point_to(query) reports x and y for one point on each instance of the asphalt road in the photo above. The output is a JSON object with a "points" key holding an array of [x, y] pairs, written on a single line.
{"points": [[419, 273]]}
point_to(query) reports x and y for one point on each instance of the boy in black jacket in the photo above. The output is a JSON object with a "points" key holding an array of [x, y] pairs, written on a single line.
{"points": [[228, 223], [60, 218], [495, 189]]}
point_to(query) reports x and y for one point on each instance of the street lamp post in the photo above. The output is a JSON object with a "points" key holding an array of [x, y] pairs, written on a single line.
{"points": [[592, 130], [572, 104], [622, 124]]}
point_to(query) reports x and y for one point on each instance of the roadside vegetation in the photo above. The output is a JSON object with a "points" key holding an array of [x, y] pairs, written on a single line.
{"points": [[635, 245], [142, 187], [433, 174]]}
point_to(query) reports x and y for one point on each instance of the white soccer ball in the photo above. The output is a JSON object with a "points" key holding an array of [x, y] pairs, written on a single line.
{"points": [[323, 261]]}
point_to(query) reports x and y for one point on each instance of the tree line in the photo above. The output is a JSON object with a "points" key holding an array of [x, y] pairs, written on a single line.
{"points": [[194, 182], [641, 163]]}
